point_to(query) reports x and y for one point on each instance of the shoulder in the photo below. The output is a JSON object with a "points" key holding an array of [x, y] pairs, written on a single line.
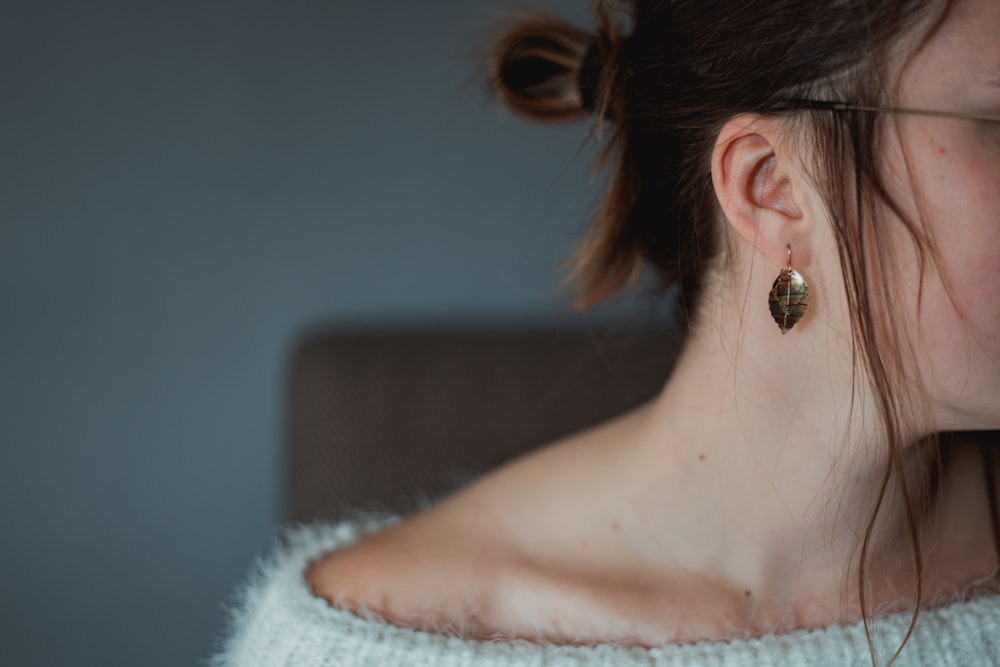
{"points": [[421, 573], [501, 556], [468, 564], [457, 583]]}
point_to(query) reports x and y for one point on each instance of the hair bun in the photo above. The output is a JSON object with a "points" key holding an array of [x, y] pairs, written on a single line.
{"points": [[589, 78], [546, 69]]}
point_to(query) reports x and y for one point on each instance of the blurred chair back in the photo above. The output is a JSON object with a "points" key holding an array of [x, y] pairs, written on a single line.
{"points": [[391, 420]]}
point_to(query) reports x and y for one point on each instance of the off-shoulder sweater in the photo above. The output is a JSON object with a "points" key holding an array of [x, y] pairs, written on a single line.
{"points": [[273, 619]]}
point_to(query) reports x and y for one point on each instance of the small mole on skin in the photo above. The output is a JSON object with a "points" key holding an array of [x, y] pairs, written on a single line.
{"points": [[747, 593], [615, 526], [701, 457]]}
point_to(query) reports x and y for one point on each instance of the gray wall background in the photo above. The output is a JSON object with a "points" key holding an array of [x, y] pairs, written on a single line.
{"points": [[188, 187]]}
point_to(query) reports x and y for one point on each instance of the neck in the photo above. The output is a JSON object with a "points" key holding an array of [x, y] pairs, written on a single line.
{"points": [[780, 449]]}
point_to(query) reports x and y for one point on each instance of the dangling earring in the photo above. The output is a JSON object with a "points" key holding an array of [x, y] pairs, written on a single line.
{"points": [[789, 297]]}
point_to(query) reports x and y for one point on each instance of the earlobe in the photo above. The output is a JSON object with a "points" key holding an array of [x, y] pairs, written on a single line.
{"points": [[754, 186]]}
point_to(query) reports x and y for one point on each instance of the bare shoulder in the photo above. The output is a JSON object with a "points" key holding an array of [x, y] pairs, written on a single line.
{"points": [[491, 554], [420, 573], [440, 577]]}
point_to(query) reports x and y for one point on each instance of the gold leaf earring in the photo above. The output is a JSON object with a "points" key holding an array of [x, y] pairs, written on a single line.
{"points": [[789, 297]]}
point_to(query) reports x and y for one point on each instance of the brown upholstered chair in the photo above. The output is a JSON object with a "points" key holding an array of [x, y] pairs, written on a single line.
{"points": [[391, 419]]}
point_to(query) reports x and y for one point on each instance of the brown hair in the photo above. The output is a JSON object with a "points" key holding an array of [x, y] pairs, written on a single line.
{"points": [[665, 76]]}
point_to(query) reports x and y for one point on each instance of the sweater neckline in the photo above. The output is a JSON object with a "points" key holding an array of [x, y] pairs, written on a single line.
{"points": [[303, 543]]}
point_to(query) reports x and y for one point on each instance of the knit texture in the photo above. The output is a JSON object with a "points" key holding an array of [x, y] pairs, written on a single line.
{"points": [[273, 620]]}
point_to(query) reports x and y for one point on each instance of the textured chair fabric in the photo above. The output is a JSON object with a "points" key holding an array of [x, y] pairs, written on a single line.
{"points": [[392, 419]]}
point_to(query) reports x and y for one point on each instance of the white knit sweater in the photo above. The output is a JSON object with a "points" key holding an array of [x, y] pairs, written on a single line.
{"points": [[275, 620]]}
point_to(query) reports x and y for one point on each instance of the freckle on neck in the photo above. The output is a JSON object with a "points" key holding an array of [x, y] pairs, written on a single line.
{"points": [[701, 457]]}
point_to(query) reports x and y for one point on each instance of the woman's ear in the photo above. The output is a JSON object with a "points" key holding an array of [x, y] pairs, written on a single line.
{"points": [[760, 189]]}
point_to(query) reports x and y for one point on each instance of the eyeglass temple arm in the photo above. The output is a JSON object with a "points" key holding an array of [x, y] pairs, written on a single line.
{"points": [[828, 105]]}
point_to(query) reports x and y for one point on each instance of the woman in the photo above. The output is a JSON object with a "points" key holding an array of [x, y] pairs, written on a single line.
{"points": [[788, 498]]}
